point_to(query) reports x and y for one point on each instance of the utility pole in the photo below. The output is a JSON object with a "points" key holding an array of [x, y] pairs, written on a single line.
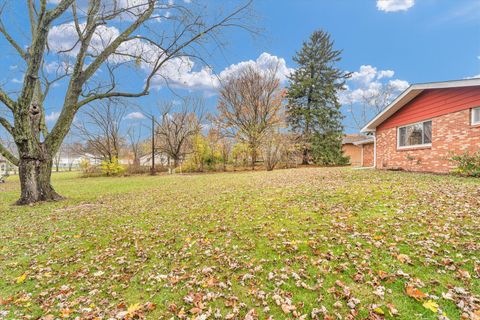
{"points": [[152, 169]]}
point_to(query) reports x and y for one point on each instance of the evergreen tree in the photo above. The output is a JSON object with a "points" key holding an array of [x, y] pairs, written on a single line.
{"points": [[313, 110]]}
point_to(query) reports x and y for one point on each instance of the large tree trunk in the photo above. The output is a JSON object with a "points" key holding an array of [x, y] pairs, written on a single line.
{"points": [[35, 181]]}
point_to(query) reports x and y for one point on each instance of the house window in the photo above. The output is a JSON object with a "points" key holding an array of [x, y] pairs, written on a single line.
{"points": [[415, 135], [476, 116]]}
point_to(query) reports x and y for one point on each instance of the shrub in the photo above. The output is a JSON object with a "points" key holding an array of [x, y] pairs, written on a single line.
{"points": [[85, 165], [112, 167], [89, 170], [467, 164], [136, 169], [203, 157]]}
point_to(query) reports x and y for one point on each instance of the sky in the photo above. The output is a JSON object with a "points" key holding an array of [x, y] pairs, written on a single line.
{"points": [[384, 42]]}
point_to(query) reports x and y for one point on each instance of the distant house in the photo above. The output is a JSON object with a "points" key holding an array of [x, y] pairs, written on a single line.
{"points": [[3, 166], [424, 126], [6, 168], [354, 145]]}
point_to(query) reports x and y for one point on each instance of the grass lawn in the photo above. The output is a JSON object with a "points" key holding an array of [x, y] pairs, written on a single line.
{"points": [[301, 243]]}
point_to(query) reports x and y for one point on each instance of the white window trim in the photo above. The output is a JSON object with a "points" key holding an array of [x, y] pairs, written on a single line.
{"points": [[413, 146], [474, 123]]}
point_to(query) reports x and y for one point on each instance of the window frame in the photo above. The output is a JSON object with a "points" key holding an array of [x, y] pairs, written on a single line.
{"points": [[414, 146], [473, 122]]}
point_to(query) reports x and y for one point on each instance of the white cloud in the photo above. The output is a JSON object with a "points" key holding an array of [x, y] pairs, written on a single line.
{"points": [[135, 116], [263, 62], [474, 77], [369, 83], [63, 38], [398, 85], [180, 72], [386, 74], [53, 116], [394, 5]]}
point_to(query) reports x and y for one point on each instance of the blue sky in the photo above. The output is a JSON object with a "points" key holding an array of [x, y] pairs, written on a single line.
{"points": [[384, 42]]}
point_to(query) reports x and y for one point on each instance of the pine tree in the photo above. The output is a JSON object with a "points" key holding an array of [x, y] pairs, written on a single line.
{"points": [[313, 110]]}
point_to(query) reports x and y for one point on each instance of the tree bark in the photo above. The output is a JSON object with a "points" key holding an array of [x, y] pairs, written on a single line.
{"points": [[305, 156], [35, 162], [35, 181], [254, 158]]}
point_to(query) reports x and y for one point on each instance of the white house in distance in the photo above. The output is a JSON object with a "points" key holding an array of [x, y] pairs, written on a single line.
{"points": [[6, 168]]}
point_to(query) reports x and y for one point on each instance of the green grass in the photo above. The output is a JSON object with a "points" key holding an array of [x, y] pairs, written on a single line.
{"points": [[189, 245]]}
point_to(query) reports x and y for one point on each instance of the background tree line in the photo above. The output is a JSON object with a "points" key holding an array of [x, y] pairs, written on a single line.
{"points": [[257, 122]]}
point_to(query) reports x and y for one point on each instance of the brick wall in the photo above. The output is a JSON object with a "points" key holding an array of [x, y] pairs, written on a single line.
{"points": [[451, 133], [368, 155]]}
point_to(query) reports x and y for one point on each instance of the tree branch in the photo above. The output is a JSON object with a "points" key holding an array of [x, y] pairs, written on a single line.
{"points": [[7, 100], [59, 10], [110, 49], [37, 49], [14, 44], [8, 155], [31, 15], [6, 124]]}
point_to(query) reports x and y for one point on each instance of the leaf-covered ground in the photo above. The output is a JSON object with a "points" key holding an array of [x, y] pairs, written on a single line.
{"points": [[289, 244]]}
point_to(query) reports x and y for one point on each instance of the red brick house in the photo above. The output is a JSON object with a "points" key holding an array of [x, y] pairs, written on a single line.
{"points": [[426, 125]]}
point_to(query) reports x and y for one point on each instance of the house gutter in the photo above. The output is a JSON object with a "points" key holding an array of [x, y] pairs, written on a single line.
{"points": [[375, 149]]}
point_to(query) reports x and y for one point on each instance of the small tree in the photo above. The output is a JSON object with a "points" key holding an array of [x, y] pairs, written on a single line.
{"points": [[240, 154], [100, 128], [221, 144], [290, 151], [136, 146], [272, 149], [249, 105], [175, 129], [57, 159]]}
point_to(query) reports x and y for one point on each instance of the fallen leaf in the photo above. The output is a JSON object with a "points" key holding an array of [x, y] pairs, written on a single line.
{"points": [[66, 312], [379, 310], [431, 305], [414, 292], [392, 309], [288, 308], [133, 308], [22, 278], [403, 258]]}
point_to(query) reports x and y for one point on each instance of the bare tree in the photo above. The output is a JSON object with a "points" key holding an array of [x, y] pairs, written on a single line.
{"points": [[175, 128], [57, 159], [370, 102], [136, 145], [9, 144], [291, 152], [107, 36], [100, 129], [272, 148], [249, 105], [222, 143]]}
